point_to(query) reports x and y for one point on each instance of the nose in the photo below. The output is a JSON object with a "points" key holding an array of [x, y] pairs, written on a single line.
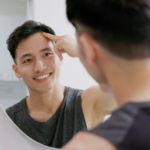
{"points": [[39, 66]]}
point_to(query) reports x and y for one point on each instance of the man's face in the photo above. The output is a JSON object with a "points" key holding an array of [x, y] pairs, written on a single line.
{"points": [[37, 63]]}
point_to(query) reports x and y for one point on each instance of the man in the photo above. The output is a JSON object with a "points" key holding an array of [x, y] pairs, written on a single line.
{"points": [[52, 113], [114, 46]]}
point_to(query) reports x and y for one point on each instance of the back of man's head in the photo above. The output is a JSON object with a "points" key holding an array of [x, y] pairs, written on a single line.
{"points": [[122, 26], [24, 31]]}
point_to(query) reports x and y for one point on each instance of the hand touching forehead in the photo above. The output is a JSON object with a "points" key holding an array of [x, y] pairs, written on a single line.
{"points": [[33, 45]]}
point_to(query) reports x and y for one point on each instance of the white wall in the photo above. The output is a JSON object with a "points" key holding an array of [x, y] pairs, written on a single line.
{"points": [[12, 14], [53, 13]]}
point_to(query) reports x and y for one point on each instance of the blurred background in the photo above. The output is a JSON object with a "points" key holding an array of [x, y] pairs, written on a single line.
{"points": [[13, 13]]}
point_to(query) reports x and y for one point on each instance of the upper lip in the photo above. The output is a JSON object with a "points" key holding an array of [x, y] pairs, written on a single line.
{"points": [[42, 75]]}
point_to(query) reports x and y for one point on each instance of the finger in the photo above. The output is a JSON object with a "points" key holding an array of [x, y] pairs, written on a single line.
{"points": [[58, 45], [62, 51], [54, 38]]}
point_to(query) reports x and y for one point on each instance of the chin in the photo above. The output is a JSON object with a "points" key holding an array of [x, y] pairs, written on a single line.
{"points": [[44, 90]]}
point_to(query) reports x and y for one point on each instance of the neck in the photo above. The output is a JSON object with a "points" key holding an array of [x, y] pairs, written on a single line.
{"points": [[132, 83], [47, 101]]}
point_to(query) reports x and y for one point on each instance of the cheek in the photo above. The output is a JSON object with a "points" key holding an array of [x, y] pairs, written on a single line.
{"points": [[53, 62], [56, 59], [25, 72], [57, 65]]}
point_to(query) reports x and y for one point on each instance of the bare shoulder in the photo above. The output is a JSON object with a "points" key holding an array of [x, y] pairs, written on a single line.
{"points": [[97, 98], [91, 94]]}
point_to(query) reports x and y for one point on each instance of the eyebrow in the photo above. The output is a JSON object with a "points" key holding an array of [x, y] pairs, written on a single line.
{"points": [[25, 55], [44, 49]]}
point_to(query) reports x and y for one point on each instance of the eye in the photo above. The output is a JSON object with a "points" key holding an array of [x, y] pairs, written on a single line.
{"points": [[27, 60], [48, 54]]}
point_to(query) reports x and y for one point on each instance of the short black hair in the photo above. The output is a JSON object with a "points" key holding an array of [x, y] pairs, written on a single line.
{"points": [[122, 26], [24, 31]]}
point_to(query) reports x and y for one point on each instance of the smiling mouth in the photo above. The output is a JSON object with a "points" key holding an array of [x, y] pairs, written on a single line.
{"points": [[42, 77]]}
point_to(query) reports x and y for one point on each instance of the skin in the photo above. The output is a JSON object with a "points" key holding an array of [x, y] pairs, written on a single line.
{"points": [[34, 58], [127, 79]]}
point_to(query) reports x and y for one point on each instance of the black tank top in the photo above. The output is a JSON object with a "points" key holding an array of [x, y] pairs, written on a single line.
{"points": [[128, 128], [60, 128]]}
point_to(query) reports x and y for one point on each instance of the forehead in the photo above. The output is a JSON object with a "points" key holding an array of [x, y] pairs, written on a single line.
{"points": [[32, 44]]}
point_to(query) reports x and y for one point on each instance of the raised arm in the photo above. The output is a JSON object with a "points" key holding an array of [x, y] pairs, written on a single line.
{"points": [[96, 104]]}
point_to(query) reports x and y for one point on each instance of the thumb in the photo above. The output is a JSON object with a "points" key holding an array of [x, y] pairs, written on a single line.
{"points": [[62, 51]]}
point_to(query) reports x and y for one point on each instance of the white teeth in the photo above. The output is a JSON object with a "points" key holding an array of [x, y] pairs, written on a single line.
{"points": [[42, 77]]}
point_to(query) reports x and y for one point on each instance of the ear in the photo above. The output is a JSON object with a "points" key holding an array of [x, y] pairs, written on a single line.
{"points": [[14, 66], [89, 48]]}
